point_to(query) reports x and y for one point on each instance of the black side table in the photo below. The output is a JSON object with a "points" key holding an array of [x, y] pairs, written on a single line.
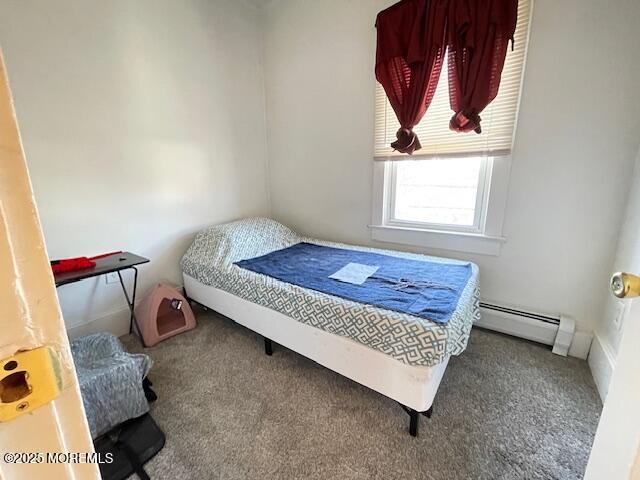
{"points": [[113, 263]]}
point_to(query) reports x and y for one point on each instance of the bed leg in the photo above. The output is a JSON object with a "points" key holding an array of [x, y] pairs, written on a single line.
{"points": [[413, 422], [268, 347], [429, 412]]}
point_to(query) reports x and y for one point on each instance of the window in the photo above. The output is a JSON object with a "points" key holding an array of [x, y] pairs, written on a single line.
{"points": [[451, 193], [448, 193]]}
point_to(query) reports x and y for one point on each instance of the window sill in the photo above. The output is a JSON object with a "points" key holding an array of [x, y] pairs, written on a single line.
{"points": [[444, 240]]}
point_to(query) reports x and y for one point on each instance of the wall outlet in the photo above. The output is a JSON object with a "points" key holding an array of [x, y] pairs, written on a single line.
{"points": [[112, 277]]}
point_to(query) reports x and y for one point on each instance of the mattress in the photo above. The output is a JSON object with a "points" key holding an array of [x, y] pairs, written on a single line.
{"points": [[409, 339], [414, 386]]}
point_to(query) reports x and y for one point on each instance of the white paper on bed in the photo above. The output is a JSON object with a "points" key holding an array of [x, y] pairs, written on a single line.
{"points": [[355, 273]]}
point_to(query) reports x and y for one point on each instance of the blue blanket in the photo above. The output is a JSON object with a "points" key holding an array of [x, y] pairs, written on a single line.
{"points": [[425, 289]]}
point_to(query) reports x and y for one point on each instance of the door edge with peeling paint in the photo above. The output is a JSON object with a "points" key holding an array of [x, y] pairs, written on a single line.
{"points": [[29, 318]]}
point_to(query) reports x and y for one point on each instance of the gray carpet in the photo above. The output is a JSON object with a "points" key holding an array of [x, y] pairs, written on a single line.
{"points": [[506, 409]]}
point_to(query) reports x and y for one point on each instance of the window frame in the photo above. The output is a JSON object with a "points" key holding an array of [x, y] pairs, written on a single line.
{"points": [[486, 239], [484, 178]]}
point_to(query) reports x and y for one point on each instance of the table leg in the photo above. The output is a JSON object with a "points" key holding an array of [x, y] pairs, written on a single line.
{"points": [[132, 303]]}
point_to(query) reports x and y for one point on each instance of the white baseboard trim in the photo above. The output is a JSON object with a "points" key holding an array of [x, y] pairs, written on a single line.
{"points": [[602, 363], [116, 323], [581, 345]]}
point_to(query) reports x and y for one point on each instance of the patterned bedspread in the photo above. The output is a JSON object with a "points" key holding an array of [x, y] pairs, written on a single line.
{"points": [[409, 339]]}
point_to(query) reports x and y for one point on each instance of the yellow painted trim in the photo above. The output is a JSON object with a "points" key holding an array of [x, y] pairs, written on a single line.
{"points": [[42, 381]]}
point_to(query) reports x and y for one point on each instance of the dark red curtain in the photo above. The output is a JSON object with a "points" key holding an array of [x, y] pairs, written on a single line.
{"points": [[410, 50], [478, 34]]}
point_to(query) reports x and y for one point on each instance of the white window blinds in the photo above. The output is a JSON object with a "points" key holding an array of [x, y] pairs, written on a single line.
{"points": [[498, 119]]}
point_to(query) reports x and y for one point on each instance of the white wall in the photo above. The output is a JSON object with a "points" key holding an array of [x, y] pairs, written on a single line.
{"points": [[574, 150], [627, 259], [142, 121], [602, 358]]}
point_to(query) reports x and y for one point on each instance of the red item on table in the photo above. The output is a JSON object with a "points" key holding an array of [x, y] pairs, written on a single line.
{"points": [[77, 263]]}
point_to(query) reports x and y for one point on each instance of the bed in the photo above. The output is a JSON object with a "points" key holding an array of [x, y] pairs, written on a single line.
{"points": [[401, 356]]}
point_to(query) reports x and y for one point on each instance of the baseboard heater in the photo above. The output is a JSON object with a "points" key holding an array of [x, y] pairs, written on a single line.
{"points": [[549, 330]]}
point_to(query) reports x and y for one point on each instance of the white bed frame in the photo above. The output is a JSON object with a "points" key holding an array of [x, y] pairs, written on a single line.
{"points": [[414, 387]]}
